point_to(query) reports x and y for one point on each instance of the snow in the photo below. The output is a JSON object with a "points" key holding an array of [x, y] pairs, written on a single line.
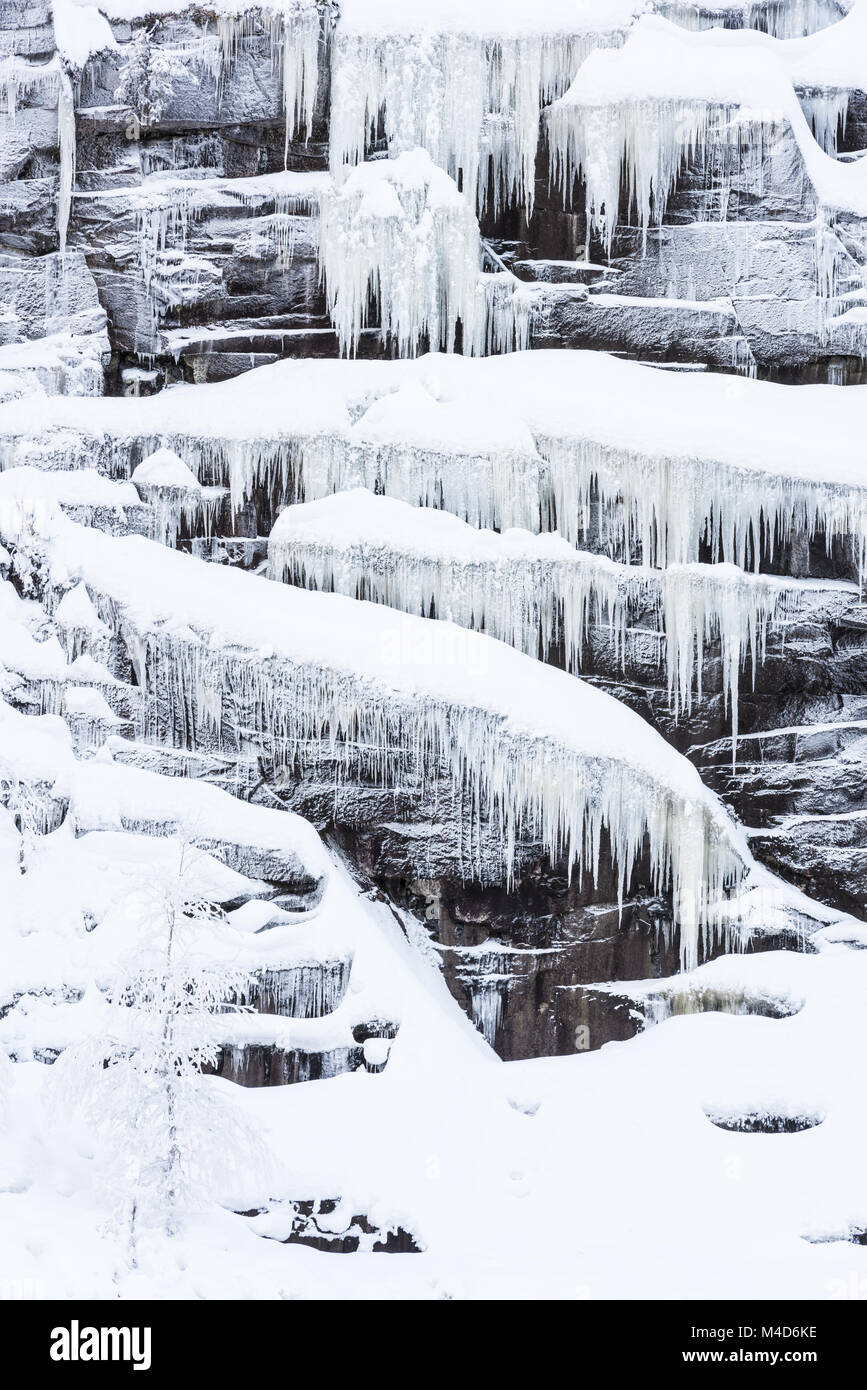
{"points": [[633, 116], [739, 462], [541, 750], [399, 235], [448, 1142], [104, 795], [393, 476], [80, 31], [164, 469]]}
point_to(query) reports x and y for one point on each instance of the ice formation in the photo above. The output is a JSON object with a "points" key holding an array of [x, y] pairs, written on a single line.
{"points": [[399, 236], [21, 78], [310, 989], [66, 139], [530, 752], [783, 19], [294, 29], [167, 206], [532, 591], [634, 117], [175, 494], [467, 88], [703, 602], [139, 686], [522, 440]]}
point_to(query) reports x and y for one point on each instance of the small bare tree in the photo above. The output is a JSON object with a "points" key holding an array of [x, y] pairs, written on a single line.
{"points": [[140, 1080]]}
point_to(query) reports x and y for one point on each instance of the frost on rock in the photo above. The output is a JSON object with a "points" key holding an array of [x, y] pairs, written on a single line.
{"points": [[168, 206], [156, 62], [294, 32], [531, 754], [470, 96], [21, 79], [399, 237]]}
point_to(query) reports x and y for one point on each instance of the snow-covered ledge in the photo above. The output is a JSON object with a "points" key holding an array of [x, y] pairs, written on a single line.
{"points": [[533, 751], [526, 439]]}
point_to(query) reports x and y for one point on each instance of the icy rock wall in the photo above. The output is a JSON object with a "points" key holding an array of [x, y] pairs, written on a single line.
{"points": [[198, 289], [517, 786]]}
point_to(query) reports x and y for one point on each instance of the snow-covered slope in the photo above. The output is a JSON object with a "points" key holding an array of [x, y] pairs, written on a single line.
{"points": [[398, 754]]}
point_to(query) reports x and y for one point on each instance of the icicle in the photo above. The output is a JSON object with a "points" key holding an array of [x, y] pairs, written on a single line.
{"points": [[19, 77], [487, 997], [400, 235], [471, 100], [300, 45], [311, 989], [176, 496], [534, 592], [505, 321], [555, 789], [826, 111], [293, 33], [641, 145], [703, 602], [400, 232], [782, 19], [66, 138], [665, 507]]}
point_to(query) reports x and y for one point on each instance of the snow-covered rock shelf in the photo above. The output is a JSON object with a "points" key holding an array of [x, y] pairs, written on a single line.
{"points": [[486, 681], [531, 752], [535, 592], [527, 440]]}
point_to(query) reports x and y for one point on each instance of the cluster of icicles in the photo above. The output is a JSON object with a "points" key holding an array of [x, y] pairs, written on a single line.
{"points": [[308, 990], [539, 594], [662, 508], [842, 290], [510, 788], [400, 236], [637, 148], [472, 105], [471, 101], [782, 19], [659, 509]]}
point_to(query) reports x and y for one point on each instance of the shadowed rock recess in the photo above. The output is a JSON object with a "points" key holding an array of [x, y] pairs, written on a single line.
{"points": [[454, 440]]}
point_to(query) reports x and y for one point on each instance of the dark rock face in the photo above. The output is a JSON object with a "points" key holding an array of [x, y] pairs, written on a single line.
{"points": [[252, 1064]]}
